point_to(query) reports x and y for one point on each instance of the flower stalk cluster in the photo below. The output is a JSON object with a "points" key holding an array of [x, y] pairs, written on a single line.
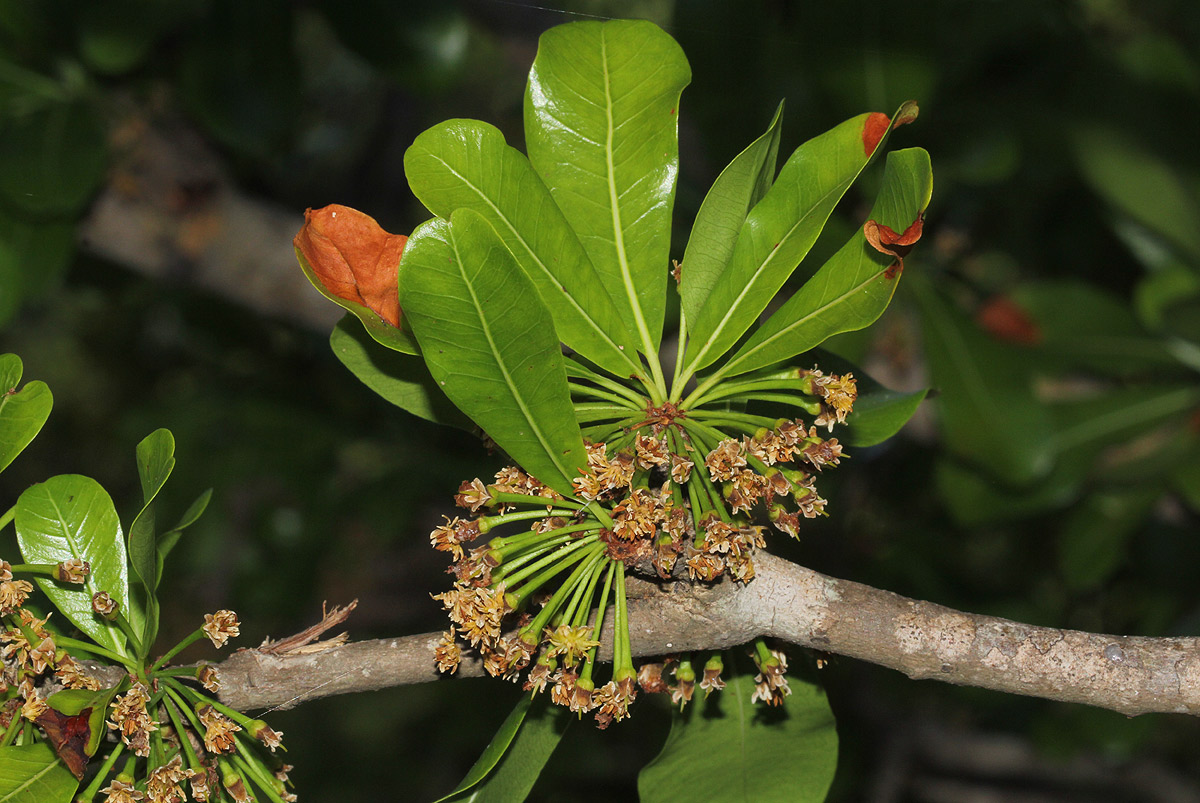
{"points": [[670, 489], [171, 739]]}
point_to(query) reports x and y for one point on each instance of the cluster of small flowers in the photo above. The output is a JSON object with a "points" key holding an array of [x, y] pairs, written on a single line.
{"points": [[150, 713], [651, 503], [28, 650]]}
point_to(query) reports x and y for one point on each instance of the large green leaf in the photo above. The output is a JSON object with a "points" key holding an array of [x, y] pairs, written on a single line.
{"points": [[490, 343], [779, 231], [986, 407], [601, 128], [401, 379], [32, 773], [71, 516], [22, 412], [513, 760], [879, 414], [854, 287], [729, 750], [740, 186], [467, 164]]}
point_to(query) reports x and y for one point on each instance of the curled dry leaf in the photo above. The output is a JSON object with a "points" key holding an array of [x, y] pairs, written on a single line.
{"points": [[353, 257], [886, 240]]}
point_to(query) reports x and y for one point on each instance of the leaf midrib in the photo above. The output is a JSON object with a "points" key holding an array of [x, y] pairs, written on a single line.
{"points": [[614, 203]]}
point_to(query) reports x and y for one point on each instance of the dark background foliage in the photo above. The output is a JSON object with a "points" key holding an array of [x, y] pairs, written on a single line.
{"points": [[1061, 261]]}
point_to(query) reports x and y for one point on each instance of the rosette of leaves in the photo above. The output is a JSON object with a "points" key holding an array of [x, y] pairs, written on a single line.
{"points": [[655, 422], [88, 710]]}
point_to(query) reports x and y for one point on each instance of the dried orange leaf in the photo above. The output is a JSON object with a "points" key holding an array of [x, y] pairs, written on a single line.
{"points": [[353, 257]]}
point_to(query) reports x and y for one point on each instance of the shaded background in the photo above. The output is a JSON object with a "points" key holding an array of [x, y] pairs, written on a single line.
{"points": [[155, 159]]}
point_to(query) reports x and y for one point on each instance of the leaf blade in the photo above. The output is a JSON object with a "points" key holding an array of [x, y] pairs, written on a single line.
{"points": [[853, 288], [780, 230], [400, 379], [22, 412], [504, 371], [746, 757], [32, 773], [71, 516], [601, 130], [467, 164], [740, 186]]}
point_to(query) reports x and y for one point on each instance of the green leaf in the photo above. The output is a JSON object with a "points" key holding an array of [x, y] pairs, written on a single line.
{"points": [[854, 287], [779, 231], [601, 128], [23, 412], [467, 164], [986, 407], [490, 343], [512, 763], [155, 461], [71, 516], [1082, 430], [496, 748], [397, 339], [879, 414], [400, 379], [736, 751], [741, 185], [32, 773]]}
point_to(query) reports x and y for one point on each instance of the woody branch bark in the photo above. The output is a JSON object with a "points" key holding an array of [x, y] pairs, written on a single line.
{"points": [[1129, 674]]}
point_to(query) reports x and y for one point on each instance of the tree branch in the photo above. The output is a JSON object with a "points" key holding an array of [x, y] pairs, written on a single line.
{"points": [[1128, 674]]}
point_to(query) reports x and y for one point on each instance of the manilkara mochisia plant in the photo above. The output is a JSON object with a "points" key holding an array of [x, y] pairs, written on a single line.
{"points": [[89, 711], [656, 423]]}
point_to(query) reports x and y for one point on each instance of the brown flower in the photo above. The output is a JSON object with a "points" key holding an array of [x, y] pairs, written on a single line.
{"points": [[130, 717], [121, 792], [353, 258], [74, 570], [220, 627], [104, 605], [13, 594], [209, 678], [218, 730], [165, 783], [472, 494], [447, 654]]}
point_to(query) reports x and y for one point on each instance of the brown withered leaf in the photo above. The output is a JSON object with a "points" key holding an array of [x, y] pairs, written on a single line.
{"points": [[886, 240], [69, 737], [353, 257]]}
